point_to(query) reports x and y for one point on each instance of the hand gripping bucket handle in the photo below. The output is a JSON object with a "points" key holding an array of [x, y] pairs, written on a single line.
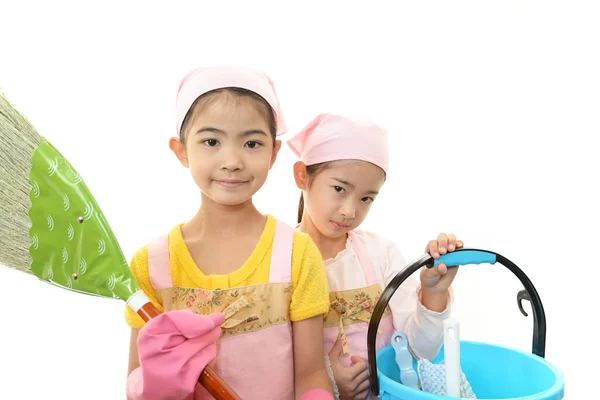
{"points": [[456, 258]]}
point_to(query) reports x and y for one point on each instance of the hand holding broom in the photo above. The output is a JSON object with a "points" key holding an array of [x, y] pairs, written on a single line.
{"points": [[52, 227]]}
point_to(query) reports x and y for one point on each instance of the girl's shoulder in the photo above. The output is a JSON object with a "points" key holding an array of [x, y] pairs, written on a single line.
{"points": [[139, 260], [304, 248], [374, 240], [300, 239], [382, 250], [167, 240]]}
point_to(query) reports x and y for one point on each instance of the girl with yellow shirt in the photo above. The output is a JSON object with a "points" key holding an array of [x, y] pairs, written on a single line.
{"points": [[256, 288]]}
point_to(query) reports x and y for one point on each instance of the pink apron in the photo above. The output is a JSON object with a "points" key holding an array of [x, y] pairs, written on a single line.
{"points": [[350, 311], [255, 355]]}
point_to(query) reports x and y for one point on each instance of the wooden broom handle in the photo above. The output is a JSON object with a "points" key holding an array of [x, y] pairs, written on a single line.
{"points": [[212, 382]]}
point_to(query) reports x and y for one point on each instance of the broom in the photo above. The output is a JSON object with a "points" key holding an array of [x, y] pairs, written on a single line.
{"points": [[52, 227]]}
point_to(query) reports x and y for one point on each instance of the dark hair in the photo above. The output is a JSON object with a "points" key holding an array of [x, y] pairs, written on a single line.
{"points": [[311, 172], [238, 94]]}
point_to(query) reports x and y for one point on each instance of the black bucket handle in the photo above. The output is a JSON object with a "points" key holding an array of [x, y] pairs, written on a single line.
{"points": [[456, 258]]}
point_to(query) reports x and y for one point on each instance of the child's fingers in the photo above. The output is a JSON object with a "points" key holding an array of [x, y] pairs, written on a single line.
{"points": [[362, 390], [442, 269], [363, 395], [336, 351], [432, 248], [451, 242], [356, 360], [359, 372], [442, 243], [435, 272], [459, 244]]}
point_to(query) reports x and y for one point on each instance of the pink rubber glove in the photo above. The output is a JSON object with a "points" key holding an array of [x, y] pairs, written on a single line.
{"points": [[174, 348], [316, 394]]}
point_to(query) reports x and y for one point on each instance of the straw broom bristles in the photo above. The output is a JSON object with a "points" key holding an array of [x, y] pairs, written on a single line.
{"points": [[18, 140]]}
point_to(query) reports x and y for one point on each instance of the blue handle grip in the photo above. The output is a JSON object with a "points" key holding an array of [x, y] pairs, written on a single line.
{"points": [[465, 257]]}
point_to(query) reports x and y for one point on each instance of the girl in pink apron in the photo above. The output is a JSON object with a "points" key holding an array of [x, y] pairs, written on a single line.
{"points": [[238, 290], [343, 164]]}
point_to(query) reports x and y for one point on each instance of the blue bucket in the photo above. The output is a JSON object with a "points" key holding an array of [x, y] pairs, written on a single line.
{"points": [[494, 372]]}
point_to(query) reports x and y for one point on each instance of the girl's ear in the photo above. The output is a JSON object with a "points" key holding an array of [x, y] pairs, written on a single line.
{"points": [[300, 175], [180, 152], [275, 152]]}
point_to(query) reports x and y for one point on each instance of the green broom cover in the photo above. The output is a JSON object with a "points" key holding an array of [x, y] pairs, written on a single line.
{"points": [[72, 244]]}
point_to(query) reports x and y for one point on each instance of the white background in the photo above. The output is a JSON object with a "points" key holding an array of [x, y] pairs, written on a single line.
{"points": [[492, 109]]}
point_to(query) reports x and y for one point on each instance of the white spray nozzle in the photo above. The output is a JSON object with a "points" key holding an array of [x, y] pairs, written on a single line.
{"points": [[452, 356]]}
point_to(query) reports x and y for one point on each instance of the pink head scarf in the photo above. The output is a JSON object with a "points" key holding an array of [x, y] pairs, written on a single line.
{"points": [[331, 137], [203, 80]]}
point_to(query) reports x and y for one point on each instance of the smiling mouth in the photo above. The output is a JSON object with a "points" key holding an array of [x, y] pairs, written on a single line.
{"points": [[339, 225], [230, 183]]}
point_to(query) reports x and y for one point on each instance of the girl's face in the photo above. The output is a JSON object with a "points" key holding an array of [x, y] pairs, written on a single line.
{"points": [[228, 149], [339, 197]]}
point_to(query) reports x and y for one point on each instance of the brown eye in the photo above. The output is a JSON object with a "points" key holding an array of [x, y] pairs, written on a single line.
{"points": [[253, 144], [211, 142]]}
